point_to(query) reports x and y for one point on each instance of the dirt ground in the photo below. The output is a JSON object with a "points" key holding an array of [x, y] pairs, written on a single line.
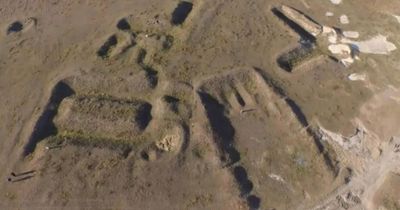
{"points": [[185, 104]]}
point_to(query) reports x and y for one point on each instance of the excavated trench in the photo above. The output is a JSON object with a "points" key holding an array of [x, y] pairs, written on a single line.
{"points": [[224, 133]]}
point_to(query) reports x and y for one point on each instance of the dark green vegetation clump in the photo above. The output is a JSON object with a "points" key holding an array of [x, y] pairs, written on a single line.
{"points": [[294, 58]]}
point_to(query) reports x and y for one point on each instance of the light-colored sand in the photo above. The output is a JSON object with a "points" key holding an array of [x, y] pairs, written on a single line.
{"points": [[376, 45], [340, 49]]}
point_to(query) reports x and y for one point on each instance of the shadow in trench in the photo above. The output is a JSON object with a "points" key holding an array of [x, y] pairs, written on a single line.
{"points": [[181, 12], [224, 133], [44, 126]]}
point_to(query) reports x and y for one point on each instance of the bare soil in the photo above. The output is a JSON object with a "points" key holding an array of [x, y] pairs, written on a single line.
{"points": [[201, 104]]}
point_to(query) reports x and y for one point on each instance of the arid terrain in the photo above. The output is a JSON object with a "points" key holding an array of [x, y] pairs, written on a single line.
{"points": [[200, 104]]}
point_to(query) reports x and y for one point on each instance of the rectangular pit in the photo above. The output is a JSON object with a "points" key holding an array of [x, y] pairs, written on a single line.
{"points": [[103, 117]]}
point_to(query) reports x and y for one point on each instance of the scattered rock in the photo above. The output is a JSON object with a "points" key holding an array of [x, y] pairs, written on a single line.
{"points": [[347, 61], [168, 143], [336, 2], [331, 33], [352, 143], [397, 17], [344, 19], [351, 34], [357, 77], [276, 177], [329, 14]]}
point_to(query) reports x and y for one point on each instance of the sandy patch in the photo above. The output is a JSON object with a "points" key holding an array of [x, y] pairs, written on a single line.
{"points": [[344, 51], [332, 39], [339, 49], [376, 45]]}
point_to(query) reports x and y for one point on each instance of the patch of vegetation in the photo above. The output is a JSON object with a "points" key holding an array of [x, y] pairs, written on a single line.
{"points": [[10, 196], [109, 107], [391, 204], [65, 197], [199, 152], [29, 157], [250, 84], [294, 58], [202, 200], [300, 164], [185, 73], [84, 140], [182, 97], [168, 42]]}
